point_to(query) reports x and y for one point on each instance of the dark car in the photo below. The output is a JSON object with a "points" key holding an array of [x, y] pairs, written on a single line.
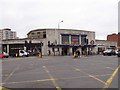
{"points": [[109, 52], [118, 53]]}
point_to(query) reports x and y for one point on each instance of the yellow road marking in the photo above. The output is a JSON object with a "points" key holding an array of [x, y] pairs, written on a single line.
{"points": [[109, 80], [90, 75], [44, 80], [28, 81], [3, 88], [51, 77], [97, 79], [58, 88]]}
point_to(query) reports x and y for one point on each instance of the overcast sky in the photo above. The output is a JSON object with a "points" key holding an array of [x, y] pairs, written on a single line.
{"points": [[22, 16]]}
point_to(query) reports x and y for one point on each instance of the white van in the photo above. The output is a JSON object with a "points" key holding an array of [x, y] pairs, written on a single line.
{"points": [[23, 53], [5, 55]]}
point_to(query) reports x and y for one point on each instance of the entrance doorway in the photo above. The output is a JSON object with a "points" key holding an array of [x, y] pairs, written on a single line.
{"points": [[65, 51], [84, 50], [74, 49]]}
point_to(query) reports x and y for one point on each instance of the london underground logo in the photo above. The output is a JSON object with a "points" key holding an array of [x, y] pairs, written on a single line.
{"points": [[92, 42]]}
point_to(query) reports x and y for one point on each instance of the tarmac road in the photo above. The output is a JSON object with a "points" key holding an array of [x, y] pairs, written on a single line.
{"points": [[60, 72]]}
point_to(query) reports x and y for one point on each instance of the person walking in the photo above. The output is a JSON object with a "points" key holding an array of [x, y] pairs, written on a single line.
{"points": [[75, 55], [49, 52], [78, 53]]}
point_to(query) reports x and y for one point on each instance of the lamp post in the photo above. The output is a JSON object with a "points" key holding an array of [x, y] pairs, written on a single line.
{"points": [[57, 34], [58, 29], [59, 24]]}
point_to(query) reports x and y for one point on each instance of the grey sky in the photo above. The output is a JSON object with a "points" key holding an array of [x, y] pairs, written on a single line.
{"points": [[22, 16]]}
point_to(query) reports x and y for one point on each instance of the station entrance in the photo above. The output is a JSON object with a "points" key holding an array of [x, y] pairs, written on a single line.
{"points": [[74, 49], [65, 51]]}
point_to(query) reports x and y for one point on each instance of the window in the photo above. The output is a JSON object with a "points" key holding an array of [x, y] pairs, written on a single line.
{"points": [[65, 39], [21, 52], [83, 39], [32, 35], [38, 34], [7, 35], [44, 34]]}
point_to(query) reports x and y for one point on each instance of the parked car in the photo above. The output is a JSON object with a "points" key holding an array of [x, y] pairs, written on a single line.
{"points": [[5, 55], [109, 52], [118, 54], [1, 54], [23, 53]]}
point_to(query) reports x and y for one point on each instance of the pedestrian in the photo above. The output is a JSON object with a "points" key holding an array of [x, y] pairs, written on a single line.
{"points": [[49, 52], [75, 55], [78, 53]]}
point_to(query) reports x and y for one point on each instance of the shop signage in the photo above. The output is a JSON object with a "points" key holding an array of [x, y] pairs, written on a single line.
{"points": [[74, 39]]}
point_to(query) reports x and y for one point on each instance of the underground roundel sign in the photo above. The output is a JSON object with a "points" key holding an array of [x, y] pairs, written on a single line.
{"points": [[92, 42]]}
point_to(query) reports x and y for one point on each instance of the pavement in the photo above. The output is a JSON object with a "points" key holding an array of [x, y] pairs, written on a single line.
{"points": [[60, 72]]}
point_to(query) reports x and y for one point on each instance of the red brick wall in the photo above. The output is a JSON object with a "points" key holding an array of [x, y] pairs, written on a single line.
{"points": [[112, 37], [118, 41]]}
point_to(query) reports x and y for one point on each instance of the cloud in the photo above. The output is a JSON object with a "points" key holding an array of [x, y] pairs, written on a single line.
{"points": [[94, 15]]}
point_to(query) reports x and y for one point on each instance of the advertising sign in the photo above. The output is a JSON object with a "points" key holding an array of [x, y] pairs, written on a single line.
{"points": [[74, 39]]}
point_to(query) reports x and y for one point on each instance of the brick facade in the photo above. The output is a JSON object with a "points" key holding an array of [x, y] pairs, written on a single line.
{"points": [[114, 37]]}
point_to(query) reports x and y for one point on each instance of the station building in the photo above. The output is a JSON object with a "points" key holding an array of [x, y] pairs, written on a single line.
{"points": [[64, 41], [54, 41]]}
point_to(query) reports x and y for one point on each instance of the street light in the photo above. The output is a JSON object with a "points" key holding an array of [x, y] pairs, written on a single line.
{"points": [[59, 24]]}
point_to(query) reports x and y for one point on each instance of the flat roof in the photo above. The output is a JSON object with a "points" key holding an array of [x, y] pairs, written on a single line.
{"points": [[59, 29]]}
